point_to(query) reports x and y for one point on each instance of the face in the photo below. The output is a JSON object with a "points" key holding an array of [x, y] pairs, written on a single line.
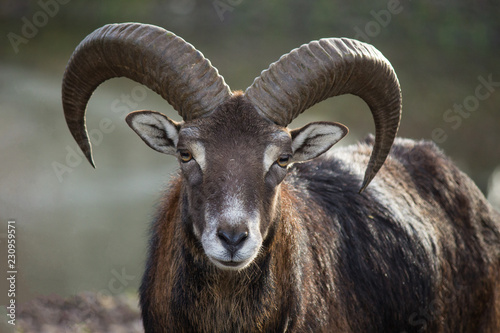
{"points": [[232, 164], [232, 171]]}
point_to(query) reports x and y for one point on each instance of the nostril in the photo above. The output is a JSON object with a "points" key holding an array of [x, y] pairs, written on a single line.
{"points": [[241, 237], [232, 238], [223, 236]]}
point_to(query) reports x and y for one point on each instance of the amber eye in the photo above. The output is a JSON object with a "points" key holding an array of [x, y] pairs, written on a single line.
{"points": [[185, 155], [283, 161]]}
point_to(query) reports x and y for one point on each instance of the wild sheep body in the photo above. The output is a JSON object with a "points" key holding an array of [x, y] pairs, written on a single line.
{"points": [[417, 251], [263, 230]]}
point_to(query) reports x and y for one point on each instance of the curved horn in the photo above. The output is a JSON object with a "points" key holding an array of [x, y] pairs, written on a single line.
{"points": [[327, 68], [149, 55]]}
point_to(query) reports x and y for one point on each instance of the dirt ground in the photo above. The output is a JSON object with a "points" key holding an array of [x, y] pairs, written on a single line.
{"points": [[83, 313]]}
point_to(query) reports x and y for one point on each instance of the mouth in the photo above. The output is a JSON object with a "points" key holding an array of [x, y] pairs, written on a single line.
{"points": [[224, 259], [230, 265]]}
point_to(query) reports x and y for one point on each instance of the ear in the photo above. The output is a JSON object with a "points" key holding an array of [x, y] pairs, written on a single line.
{"points": [[157, 130], [314, 139]]}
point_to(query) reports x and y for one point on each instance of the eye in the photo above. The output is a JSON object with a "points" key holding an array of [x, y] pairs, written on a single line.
{"points": [[283, 160], [185, 155]]}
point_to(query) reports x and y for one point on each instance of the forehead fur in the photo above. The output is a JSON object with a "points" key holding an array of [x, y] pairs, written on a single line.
{"points": [[235, 120]]}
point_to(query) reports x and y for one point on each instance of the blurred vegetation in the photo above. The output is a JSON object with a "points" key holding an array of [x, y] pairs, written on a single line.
{"points": [[77, 232]]}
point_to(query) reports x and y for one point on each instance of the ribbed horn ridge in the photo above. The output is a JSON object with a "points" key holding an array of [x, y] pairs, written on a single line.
{"points": [[326, 68], [149, 55]]}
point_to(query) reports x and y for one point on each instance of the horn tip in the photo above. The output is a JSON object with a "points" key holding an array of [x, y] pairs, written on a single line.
{"points": [[90, 159], [366, 182]]}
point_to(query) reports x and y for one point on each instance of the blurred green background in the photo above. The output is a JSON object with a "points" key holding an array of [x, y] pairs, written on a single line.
{"points": [[84, 229]]}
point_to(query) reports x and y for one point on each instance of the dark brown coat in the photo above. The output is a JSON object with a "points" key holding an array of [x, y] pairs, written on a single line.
{"points": [[418, 251]]}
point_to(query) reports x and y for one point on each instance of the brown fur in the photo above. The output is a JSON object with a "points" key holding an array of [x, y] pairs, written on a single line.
{"points": [[418, 251]]}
